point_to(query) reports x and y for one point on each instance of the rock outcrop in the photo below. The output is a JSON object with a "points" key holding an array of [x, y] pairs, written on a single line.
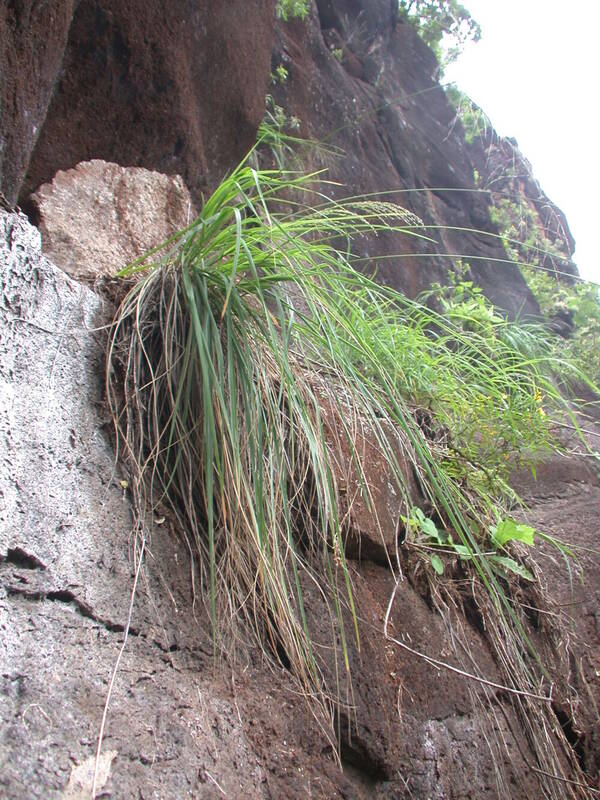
{"points": [[504, 172], [99, 217], [179, 90], [67, 568], [361, 81], [185, 94], [32, 43]]}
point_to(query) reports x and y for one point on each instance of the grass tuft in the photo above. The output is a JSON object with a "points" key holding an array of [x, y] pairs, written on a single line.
{"points": [[229, 355]]}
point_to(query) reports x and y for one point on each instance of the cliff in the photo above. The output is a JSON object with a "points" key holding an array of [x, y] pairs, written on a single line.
{"points": [[182, 97], [100, 637]]}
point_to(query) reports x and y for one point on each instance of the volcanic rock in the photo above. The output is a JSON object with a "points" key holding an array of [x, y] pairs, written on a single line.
{"points": [[97, 218]]}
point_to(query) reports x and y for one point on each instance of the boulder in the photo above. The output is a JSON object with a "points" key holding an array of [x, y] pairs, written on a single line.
{"points": [[98, 217]]}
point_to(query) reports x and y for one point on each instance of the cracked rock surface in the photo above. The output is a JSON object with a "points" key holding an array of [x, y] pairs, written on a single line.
{"points": [[66, 574], [177, 726]]}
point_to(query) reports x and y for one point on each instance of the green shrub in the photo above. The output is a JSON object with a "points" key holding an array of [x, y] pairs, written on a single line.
{"points": [[289, 9], [474, 121], [280, 75], [543, 258], [579, 305], [445, 25], [570, 306]]}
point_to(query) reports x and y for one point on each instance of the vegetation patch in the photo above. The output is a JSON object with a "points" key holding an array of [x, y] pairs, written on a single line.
{"points": [[234, 340], [290, 9], [475, 122], [569, 305], [445, 25]]}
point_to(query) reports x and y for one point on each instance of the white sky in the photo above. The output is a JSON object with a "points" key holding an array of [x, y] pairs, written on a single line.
{"points": [[535, 74]]}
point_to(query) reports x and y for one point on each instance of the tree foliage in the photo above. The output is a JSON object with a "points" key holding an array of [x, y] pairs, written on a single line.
{"points": [[445, 25]]}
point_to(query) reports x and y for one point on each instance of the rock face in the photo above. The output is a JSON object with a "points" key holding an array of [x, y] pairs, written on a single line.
{"points": [[67, 555], [32, 44], [504, 170], [570, 510], [372, 524], [361, 81], [176, 726], [98, 217], [182, 92]]}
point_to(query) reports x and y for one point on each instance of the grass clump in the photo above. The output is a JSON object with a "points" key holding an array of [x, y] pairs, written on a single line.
{"points": [[229, 351], [225, 350], [476, 124]]}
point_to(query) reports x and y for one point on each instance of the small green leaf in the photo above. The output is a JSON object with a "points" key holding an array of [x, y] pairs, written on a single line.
{"points": [[512, 566], [462, 551], [417, 514], [428, 527], [508, 530], [437, 564]]}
